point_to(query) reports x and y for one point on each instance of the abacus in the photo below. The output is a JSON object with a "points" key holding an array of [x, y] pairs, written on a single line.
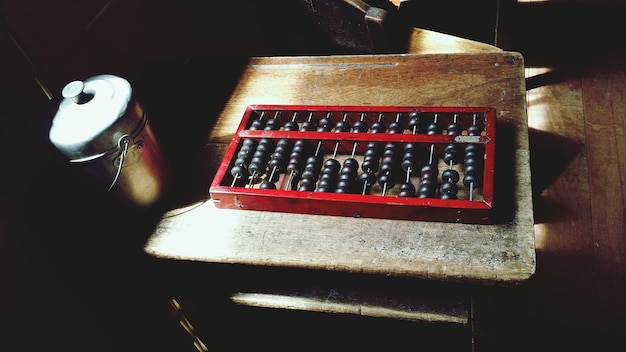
{"points": [[407, 163]]}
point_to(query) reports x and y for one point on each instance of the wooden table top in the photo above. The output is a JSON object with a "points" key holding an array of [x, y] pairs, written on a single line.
{"points": [[502, 253]]}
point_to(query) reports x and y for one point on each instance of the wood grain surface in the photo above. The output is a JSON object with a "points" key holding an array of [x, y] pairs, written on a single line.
{"points": [[502, 253]]}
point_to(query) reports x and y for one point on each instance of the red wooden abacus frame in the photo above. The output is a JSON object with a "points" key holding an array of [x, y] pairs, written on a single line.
{"points": [[476, 211]]}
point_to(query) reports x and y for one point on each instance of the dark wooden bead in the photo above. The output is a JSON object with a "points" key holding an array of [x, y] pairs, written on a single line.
{"points": [[378, 127], [267, 185], [272, 124], [290, 126], [450, 175], [406, 189]]}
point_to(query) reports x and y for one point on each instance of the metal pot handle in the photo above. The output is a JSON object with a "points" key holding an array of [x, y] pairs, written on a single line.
{"points": [[122, 144]]}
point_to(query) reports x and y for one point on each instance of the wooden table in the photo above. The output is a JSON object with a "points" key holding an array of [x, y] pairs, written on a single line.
{"points": [[498, 254], [503, 253]]}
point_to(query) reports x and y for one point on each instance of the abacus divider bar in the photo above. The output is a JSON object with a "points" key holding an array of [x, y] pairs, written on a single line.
{"points": [[347, 136]]}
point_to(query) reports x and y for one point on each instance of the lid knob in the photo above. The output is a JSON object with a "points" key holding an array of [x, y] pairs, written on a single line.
{"points": [[74, 91]]}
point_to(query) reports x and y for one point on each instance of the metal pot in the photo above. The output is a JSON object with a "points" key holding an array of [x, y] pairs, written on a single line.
{"points": [[102, 126]]}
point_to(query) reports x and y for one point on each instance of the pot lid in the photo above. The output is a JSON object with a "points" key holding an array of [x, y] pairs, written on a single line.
{"points": [[87, 112]]}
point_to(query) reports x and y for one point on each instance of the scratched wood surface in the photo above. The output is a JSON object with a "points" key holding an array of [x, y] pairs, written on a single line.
{"points": [[605, 126], [502, 253]]}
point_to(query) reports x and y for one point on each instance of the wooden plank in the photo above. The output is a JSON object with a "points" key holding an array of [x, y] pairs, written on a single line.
{"points": [[563, 231], [605, 108], [362, 295], [339, 300], [424, 41], [502, 253]]}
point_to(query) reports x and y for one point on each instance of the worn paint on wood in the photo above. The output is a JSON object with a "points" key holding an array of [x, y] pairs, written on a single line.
{"points": [[499, 254]]}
